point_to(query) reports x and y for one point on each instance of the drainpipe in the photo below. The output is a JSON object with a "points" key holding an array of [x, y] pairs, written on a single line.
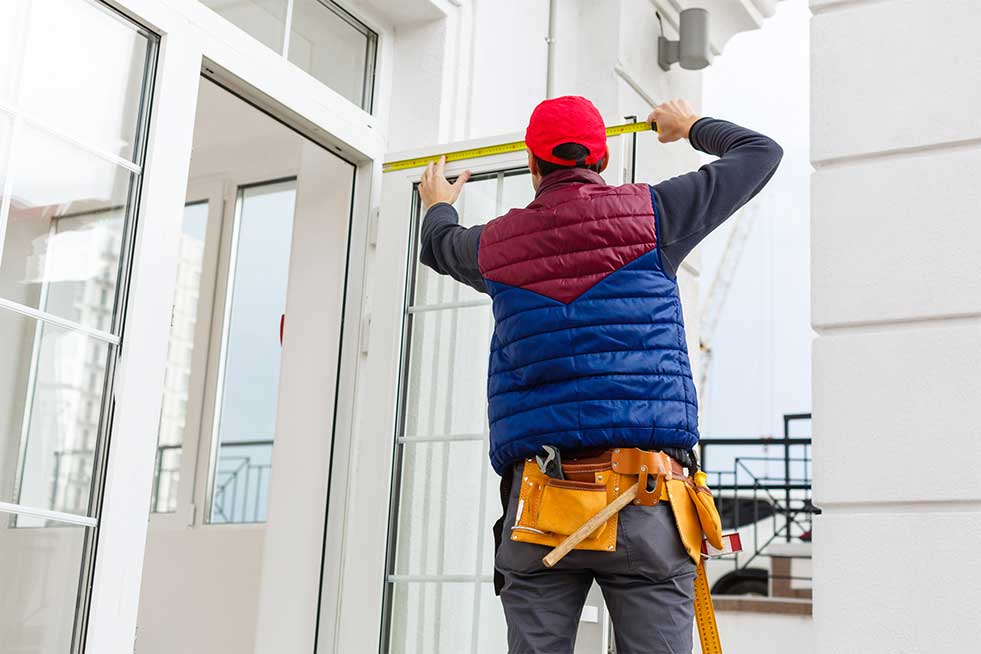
{"points": [[550, 40]]}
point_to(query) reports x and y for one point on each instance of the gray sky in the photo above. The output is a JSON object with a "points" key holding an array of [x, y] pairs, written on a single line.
{"points": [[761, 363]]}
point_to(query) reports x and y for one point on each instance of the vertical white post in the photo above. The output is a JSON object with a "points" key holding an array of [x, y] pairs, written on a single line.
{"points": [[139, 381], [896, 301]]}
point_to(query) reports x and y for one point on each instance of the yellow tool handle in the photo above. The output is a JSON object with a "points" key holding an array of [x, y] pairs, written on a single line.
{"points": [[502, 148], [591, 525], [708, 630]]}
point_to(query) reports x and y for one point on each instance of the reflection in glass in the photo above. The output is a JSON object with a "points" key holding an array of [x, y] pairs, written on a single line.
{"points": [[180, 353], [39, 584], [251, 352], [263, 19], [51, 389], [64, 234], [96, 98], [334, 47]]}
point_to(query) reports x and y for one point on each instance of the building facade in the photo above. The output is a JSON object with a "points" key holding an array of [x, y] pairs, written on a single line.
{"points": [[895, 362], [208, 167]]}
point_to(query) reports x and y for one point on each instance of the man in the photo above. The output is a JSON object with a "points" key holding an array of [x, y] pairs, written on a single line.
{"points": [[589, 353]]}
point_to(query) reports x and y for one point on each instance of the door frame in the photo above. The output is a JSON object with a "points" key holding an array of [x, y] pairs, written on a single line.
{"points": [[195, 39]]}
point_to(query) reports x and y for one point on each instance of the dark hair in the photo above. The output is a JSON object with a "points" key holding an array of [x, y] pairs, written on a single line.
{"points": [[572, 151]]}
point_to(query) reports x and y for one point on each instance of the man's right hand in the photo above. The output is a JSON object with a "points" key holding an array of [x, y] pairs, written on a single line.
{"points": [[674, 120]]}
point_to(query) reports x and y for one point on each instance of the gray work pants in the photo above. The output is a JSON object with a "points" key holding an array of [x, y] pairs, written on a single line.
{"points": [[648, 585]]}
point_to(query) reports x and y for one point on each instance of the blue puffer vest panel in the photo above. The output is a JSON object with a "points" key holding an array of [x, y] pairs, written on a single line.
{"points": [[589, 344]]}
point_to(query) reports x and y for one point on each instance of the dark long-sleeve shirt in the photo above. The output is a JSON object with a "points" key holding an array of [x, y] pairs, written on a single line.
{"points": [[689, 206]]}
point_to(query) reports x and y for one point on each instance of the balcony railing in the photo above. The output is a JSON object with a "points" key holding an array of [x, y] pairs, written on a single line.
{"points": [[766, 497], [241, 493]]}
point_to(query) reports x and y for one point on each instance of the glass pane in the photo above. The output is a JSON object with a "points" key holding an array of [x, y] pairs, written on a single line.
{"points": [[516, 191], [439, 508], [173, 412], [263, 19], [98, 97], [39, 584], [432, 618], [13, 27], [251, 352], [477, 205], [492, 630], [51, 390], [65, 230], [332, 46], [447, 391], [5, 123]]}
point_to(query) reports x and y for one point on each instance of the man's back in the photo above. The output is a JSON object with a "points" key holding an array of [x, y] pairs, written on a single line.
{"points": [[589, 348], [578, 239]]}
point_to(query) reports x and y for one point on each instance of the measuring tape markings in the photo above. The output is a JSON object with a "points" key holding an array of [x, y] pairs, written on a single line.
{"points": [[708, 630], [502, 148]]}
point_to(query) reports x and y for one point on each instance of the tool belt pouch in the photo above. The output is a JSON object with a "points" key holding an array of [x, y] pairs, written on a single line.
{"points": [[708, 515], [551, 509]]}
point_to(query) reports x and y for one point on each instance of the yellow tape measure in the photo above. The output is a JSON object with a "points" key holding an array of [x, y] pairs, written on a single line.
{"points": [[503, 148], [708, 630]]}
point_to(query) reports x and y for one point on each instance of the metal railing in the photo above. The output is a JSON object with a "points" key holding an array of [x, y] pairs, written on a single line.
{"points": [[768, 496], [241, 492]]}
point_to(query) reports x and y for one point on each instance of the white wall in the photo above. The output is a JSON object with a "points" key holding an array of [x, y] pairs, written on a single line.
{"points": [[759, 633], [897, 305], [200, 590]]}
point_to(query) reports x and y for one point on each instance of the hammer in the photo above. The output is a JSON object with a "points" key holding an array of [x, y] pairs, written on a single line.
{"points": [[591, 525]]}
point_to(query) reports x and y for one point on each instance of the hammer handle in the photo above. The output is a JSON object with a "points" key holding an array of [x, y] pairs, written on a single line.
{"points": [[591, 525]]}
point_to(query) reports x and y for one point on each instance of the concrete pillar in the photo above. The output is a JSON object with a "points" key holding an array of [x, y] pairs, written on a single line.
{"points": [[896, 238]]}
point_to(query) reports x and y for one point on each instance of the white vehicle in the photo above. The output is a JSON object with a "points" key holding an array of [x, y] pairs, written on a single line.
{"points": [[768, 564]]}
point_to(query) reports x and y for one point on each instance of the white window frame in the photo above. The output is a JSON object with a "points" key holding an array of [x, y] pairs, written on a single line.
{"points": [[193, 38], [355, 557], [213, 193]]}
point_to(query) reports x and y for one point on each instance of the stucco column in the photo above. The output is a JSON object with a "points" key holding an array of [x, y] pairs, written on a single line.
{"points": [[896, 238]]}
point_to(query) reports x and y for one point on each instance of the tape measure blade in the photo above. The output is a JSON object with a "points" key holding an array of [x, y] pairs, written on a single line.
{"points": [[708, 629], [457, 155], [501, 148]]}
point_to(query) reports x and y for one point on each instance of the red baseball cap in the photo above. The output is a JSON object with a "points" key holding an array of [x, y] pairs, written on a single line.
{"points": [[569, 119]]}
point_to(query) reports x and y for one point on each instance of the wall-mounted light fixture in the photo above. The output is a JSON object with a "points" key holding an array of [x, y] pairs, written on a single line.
{"points": [[692, 49]]}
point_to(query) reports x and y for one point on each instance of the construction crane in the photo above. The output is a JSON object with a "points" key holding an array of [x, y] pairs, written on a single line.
{"points": [[718, 291]]}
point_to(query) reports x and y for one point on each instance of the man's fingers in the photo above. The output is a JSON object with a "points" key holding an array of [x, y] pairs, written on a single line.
{"points": [[461, 180], [441, 166]]}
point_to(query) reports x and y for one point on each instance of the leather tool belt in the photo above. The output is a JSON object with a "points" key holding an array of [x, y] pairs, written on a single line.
{"points": [[550, 509]]}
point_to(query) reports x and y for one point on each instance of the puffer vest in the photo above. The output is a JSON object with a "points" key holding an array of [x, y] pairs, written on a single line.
{"points": [[589, 342]]}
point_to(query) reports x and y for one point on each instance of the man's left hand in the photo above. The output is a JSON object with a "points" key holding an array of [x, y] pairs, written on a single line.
{"points": [[434, 188]]}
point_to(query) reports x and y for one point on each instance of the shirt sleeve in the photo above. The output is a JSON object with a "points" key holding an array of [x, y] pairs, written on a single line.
{"points": [[691, 206], [450, 249]]}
